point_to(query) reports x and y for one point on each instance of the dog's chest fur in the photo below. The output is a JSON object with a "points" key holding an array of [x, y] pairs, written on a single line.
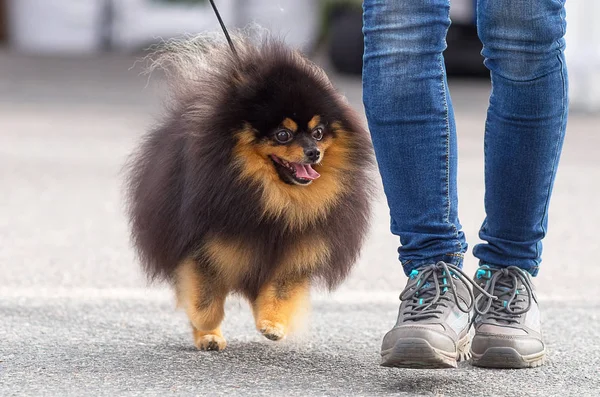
{"points": [[242, 260]]}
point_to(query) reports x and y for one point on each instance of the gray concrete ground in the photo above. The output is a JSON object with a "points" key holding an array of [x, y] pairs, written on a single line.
{"points": [[77, 318]]}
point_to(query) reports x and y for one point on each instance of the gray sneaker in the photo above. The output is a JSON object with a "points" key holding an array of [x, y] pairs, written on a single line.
{"points": [[507, 329], [432, 330]]}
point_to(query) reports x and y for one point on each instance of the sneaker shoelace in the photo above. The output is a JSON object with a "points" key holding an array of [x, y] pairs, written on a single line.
{"points": [[432, 287], [513, 290]]}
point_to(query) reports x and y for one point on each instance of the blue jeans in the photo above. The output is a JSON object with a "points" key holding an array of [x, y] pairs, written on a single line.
{"points": [[410, 116]]}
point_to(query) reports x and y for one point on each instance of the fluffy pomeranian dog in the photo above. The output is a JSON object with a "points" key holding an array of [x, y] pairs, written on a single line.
{"points": [[255, 182]]}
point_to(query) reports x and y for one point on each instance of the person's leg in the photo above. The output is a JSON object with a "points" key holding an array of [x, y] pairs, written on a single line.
{"points": [[410, 116], [411, 120], [523, 48]]}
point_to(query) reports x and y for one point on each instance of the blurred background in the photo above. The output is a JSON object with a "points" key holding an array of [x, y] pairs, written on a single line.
{"points": [[75, 310], [75, 27], [73, 103], [331, 27]]}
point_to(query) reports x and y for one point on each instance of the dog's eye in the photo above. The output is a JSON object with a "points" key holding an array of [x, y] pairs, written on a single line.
{"points": [[318, 133], [283, 136]]}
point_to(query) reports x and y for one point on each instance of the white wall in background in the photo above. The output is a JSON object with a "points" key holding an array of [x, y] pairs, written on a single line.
{"points": [[55, 26], [583, 54], [294, 20], [138, 23]]}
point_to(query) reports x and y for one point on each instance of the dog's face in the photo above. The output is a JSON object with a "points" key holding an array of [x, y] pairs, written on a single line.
{"points": [[290, 125], [295, 148]]}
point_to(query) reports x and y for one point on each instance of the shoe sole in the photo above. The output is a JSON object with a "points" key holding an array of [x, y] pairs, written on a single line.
{"points": [[507, 357], [418, 353]]}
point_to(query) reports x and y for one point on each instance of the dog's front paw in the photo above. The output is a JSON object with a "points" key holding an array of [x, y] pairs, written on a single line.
{"points": [[271, 330], [209, 342]]}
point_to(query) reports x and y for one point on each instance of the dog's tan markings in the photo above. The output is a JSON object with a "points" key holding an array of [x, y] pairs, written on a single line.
{"points": [[314, 122], [290, 152], [299, 206], [282, 301], [211, 340], [307, 253], [290, 124], [277, 305], [203, 300], [339, 150], [230, 258]]}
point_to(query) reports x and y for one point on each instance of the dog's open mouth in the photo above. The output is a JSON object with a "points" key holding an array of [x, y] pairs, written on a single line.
{"points": [[297, 173]]}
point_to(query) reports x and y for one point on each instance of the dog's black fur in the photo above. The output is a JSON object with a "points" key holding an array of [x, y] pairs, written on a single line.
{"points": [[184, 181]]}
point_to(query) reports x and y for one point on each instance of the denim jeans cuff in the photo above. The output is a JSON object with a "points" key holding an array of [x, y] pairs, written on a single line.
{"points": [[532, 269], [455, 259]]}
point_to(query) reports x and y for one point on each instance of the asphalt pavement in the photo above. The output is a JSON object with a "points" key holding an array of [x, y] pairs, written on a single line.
{"points": [[78, 318]]}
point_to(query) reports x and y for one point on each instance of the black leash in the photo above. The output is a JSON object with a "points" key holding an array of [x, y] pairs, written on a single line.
{"points": [[212, 3]]}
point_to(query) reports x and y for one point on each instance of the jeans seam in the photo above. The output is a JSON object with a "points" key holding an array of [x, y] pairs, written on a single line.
{"points": [[447, 121], [556, 148]]}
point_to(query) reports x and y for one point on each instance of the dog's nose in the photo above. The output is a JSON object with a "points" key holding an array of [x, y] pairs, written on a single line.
{"points": [[313, 154]]}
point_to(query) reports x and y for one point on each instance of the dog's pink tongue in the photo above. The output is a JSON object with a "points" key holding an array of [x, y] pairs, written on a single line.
{"points": [[305, 171]]}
